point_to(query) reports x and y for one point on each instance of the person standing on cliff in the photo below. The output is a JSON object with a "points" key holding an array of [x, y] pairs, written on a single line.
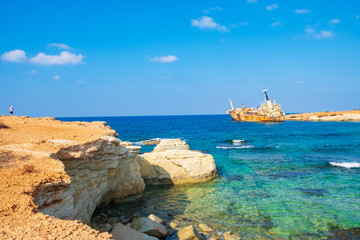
{"points": [[11, 110]]}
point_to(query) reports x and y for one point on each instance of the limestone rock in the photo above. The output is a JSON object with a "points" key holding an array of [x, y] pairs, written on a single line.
{"points": [[189, 233], [100, 171], [122, 232], [205, 228], [149, 226], [156, 219], [172, 162]]}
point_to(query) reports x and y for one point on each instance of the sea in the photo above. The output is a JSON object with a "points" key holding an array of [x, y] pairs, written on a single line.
{"points": [[290, 180]]}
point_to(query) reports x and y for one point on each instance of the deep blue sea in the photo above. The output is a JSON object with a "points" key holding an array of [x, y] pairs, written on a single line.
{"points": [[291, 180]]}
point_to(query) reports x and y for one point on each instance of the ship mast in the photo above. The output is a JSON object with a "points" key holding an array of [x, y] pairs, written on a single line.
{"points": [[265, 91], [232, 107]]}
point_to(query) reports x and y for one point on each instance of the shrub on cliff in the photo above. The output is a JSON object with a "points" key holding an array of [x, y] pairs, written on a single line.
{"points": [[3, 125]]}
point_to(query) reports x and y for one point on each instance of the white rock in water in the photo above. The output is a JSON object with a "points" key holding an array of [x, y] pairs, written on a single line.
{"points": [[172, 161], [149, 226], [122, 232]]}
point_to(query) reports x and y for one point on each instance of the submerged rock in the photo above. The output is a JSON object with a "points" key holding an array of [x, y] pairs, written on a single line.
{"points": [[122, 232], [172, 162], [189, 233], [229, 236], [205, 228]]}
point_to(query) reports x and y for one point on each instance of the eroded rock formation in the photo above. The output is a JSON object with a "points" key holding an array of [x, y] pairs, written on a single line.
{"points": [[172, 162]]}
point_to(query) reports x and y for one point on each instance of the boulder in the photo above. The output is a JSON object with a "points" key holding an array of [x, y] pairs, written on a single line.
{"points": [[122, 232], [149, 226], [172, 162], [205, 228], [189, 233]]}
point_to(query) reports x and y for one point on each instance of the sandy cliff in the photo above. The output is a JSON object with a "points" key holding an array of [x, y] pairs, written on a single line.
{"points": [[64, 170], [326, 116]]}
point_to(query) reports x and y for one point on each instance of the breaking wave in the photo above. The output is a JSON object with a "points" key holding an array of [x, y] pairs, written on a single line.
{"points": [[235, 147], [238, 141], [345, 164]]}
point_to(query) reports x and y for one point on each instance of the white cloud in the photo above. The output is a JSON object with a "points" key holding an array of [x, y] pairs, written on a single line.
{"points": [[59, 45], [302, 11], [65, 57], [324, 34], [56, 77], [207, 23], [335, 21], [33, 72], [79, 82], [251, 1], [14, 56], [309, 30], [212, 9], [357, 16], [238, 24], [165, 59], [275, 24], [272, 7]]}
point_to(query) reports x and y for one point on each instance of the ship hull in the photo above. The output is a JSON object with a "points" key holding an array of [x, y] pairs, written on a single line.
{"points": [[254, 118]]}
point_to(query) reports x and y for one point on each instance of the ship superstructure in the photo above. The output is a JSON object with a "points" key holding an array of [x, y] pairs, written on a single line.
{"points": [[270, 111]]}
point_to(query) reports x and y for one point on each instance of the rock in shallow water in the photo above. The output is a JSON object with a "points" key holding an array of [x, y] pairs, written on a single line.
{"points": [[149, 226], [122, 232], [172, 162], [189, 233], [205, 228]]}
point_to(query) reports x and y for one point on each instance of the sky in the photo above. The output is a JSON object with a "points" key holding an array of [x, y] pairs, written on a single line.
{"points": [[172, 57]]}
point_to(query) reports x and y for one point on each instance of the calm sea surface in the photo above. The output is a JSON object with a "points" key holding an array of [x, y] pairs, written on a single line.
{"points": [[292, 180]]}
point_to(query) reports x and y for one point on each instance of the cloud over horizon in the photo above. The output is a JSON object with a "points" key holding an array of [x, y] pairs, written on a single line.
{"points": [[65, 57], [59, 46], [14, 56], [164, 59], [207, 23]]}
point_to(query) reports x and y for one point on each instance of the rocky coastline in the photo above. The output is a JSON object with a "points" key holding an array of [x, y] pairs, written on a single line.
{"points": [[53, 175], [353, 115]]}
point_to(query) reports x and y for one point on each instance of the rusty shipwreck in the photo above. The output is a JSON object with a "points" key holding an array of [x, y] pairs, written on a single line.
{"points": [[270, 111]]}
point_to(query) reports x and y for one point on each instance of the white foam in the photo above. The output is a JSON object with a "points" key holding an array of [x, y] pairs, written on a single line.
{"points": [[345, 164], [237, 141], [234, 147]]}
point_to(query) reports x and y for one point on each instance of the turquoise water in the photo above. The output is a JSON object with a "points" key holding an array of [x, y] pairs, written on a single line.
{"points": [[275, 180]]}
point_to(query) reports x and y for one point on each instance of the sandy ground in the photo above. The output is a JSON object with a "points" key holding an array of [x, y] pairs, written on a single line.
{"points": [[25, 146]]}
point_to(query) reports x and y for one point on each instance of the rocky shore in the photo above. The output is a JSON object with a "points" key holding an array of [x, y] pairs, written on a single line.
{"points": [[53, 175], [325, 116]]}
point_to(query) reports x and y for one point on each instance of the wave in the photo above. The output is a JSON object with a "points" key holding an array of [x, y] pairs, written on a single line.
{"points": [[235, 147], [345, 164], [238, 141]]}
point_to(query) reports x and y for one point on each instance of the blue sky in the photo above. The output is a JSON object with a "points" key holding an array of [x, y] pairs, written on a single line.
{"points": [[129, 58]]}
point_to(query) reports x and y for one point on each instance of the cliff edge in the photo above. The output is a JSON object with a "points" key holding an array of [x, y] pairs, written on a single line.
{"points": [[52, 172]]}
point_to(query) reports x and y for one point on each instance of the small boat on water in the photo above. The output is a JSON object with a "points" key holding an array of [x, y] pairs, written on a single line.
{"points": [[270, 111]]}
